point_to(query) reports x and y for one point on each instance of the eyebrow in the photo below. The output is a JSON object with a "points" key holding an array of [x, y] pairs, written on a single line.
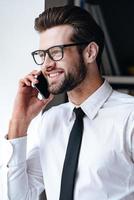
{"points": [[66, 45]]}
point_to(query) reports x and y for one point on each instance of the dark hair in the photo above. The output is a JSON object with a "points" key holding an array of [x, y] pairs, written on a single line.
{"points": [[85, 27]]}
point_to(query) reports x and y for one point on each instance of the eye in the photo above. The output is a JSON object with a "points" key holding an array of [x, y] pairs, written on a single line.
{"points": [[56, 52], [41, 54]]}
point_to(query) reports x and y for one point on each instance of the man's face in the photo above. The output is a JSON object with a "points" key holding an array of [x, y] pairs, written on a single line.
{"points": [[66, 74]]}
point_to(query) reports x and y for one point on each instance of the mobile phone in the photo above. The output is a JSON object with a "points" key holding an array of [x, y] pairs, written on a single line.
{"points": [[42, 86]]}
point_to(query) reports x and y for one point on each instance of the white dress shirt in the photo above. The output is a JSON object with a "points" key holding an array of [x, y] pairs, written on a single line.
{"points": [[106, 161]]}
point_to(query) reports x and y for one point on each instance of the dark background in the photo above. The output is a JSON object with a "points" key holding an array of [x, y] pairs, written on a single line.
{"points": [[119, 19]]}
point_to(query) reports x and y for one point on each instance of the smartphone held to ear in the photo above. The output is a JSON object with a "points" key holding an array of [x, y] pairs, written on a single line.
{"points": [[42, 86]]}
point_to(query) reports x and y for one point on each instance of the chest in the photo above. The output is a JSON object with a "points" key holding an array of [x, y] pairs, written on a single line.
{"points": [[101, 157]]}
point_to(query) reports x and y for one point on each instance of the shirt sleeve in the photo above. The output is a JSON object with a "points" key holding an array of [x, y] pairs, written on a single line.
{"points": [[133, 146], [5, 154], [21, 172], [130, 136]]}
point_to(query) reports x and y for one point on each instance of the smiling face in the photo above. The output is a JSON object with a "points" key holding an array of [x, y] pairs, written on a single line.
{"points": [[66, 74]]}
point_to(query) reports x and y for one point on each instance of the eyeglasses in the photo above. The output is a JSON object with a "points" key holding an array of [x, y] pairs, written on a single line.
{"points": [[56, 53]]}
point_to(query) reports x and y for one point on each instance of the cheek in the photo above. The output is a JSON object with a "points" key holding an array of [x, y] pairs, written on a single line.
{"points": [[72, 54], [70, 66], [70, 61]]}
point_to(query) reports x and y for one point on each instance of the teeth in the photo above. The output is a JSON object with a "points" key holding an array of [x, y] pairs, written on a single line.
{"points": [[53, 75]]}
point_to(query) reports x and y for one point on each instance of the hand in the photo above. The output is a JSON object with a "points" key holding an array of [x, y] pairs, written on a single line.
{"points": [[26, 105]]}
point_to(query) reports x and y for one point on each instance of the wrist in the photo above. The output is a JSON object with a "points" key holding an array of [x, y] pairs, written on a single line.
{"points": [[17, 128]]}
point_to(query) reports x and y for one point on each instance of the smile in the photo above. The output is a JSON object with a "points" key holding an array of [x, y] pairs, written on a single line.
{"points": [[54, 75]]}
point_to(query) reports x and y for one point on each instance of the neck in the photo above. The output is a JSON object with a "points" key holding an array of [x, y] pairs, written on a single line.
{"points": [[79, 94]]}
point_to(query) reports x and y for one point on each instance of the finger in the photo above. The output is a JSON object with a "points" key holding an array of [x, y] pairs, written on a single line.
{"points": [[25, 82], [35, 73], [33, 76], [30, 79]]}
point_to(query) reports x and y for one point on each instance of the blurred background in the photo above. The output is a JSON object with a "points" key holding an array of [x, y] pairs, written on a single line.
{"points": [[18, 39]]}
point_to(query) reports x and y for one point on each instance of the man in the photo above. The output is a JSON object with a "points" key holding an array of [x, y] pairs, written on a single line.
{"points": [[71, 44]]}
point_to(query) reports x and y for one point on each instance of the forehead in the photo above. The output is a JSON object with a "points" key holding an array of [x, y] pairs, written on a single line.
{"points": [[55, 36]]}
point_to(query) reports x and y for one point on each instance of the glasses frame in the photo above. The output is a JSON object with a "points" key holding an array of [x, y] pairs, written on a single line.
{"points": [[62, 51]]}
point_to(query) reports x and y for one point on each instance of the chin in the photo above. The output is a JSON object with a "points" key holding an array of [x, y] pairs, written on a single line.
{"points": [[56, 89]]}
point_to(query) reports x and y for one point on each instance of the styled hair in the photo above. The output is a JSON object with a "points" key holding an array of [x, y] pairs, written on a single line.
{"points": [[85, 27]]}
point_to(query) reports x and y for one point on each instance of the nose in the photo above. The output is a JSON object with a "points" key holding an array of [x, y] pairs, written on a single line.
{"points": [[48, 64]]}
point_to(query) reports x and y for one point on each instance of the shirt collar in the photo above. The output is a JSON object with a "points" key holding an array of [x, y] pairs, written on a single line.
{"points": [[94, 102]]}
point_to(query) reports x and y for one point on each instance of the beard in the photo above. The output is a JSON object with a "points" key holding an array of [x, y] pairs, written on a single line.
{"points": [[70, 80]]}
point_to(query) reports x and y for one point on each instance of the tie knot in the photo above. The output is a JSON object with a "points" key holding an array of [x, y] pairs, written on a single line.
{"points": [[79, 112]]}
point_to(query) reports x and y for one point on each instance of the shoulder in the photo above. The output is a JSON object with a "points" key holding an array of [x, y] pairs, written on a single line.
{"points": [[120, 100], [119, 108], [119, 113]]}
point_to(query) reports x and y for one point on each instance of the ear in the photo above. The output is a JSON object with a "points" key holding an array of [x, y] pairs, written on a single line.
{"points": [[91, 52]]}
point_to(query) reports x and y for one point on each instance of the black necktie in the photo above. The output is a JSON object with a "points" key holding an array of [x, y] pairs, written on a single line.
{"points": [[71, 158]]}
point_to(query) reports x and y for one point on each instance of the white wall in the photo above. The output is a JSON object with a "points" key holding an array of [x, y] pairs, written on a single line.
{"points": [[17, 40]]}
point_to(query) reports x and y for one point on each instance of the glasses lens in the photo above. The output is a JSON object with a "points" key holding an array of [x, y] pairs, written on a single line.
{"points": [[56, 53], [39, 57]]}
